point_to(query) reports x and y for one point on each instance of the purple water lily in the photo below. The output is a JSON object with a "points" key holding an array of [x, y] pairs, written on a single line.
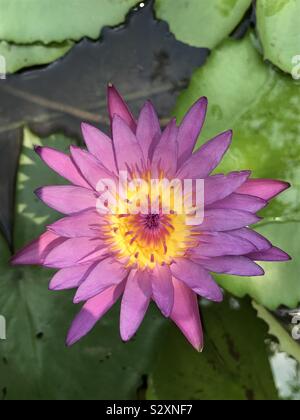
{"points": [[156, 256]]}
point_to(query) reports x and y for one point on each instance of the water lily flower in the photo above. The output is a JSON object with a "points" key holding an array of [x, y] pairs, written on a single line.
{"points": [[155, 255]]}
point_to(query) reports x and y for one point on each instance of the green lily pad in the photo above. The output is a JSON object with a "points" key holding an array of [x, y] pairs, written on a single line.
{"points": [[262, 106], [286, 342], [278, 27], [233, 366], [30, 21], [18, 57], [202, 23], [34, 361]]}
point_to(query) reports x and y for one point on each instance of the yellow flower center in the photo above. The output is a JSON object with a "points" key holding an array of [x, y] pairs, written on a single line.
{"points": [[145, 239]]}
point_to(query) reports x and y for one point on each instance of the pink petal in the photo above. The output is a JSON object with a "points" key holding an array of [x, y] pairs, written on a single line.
{"points": [[219, 220], [234, 265], [62, 164], [117, 106], [92, 311], [197, 278], [190, 129], [240, 202], [99, 145], [36, 251], [70, 278], [218, 187], [166, 153], [73, 251], [68, 199], [272, 254], [263, 188], [106, 274], [148, 129], [128, 151], [207, 158], [90, 167], [186, 314], [219, 244], [162, 288], [87, 224], [135, 303]]}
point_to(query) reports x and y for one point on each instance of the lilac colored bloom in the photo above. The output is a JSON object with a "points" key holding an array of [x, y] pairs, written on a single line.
{"points": [[143, 257]]}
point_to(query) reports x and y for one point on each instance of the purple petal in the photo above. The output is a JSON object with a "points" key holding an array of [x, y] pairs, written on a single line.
{"points": [[186, 314], [73, 251], [148, 129], [190, 129], [36, 251], [259, 241], [87, 224], [162, 288], [90, 167], [70, 278], [273, 254], [220, 220], [240, 202], [197, 278], [62, 164], [106, 274], [99, 145], [263, 188], [135, 303], [219, 244], [166, 153], [207, 158], [92, 311], [128, 151], [218, 187], [68, 199], [234, 265], [117, 106]]}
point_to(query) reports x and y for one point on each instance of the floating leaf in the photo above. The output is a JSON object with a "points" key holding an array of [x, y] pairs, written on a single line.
{"points": [[262, 107], [34, 362], [30, 21], [278, 27], [286, 342], [18, 57], [202, 23], [233, 366]]}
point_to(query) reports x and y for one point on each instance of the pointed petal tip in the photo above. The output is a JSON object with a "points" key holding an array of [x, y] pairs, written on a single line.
{"points": [[125, 336], [38, 192], [38, 150], [284, 257], [71, 340], [286, 185], [84, 126], [202, 100], [260, 271], [77, 299], [15, 260]]}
